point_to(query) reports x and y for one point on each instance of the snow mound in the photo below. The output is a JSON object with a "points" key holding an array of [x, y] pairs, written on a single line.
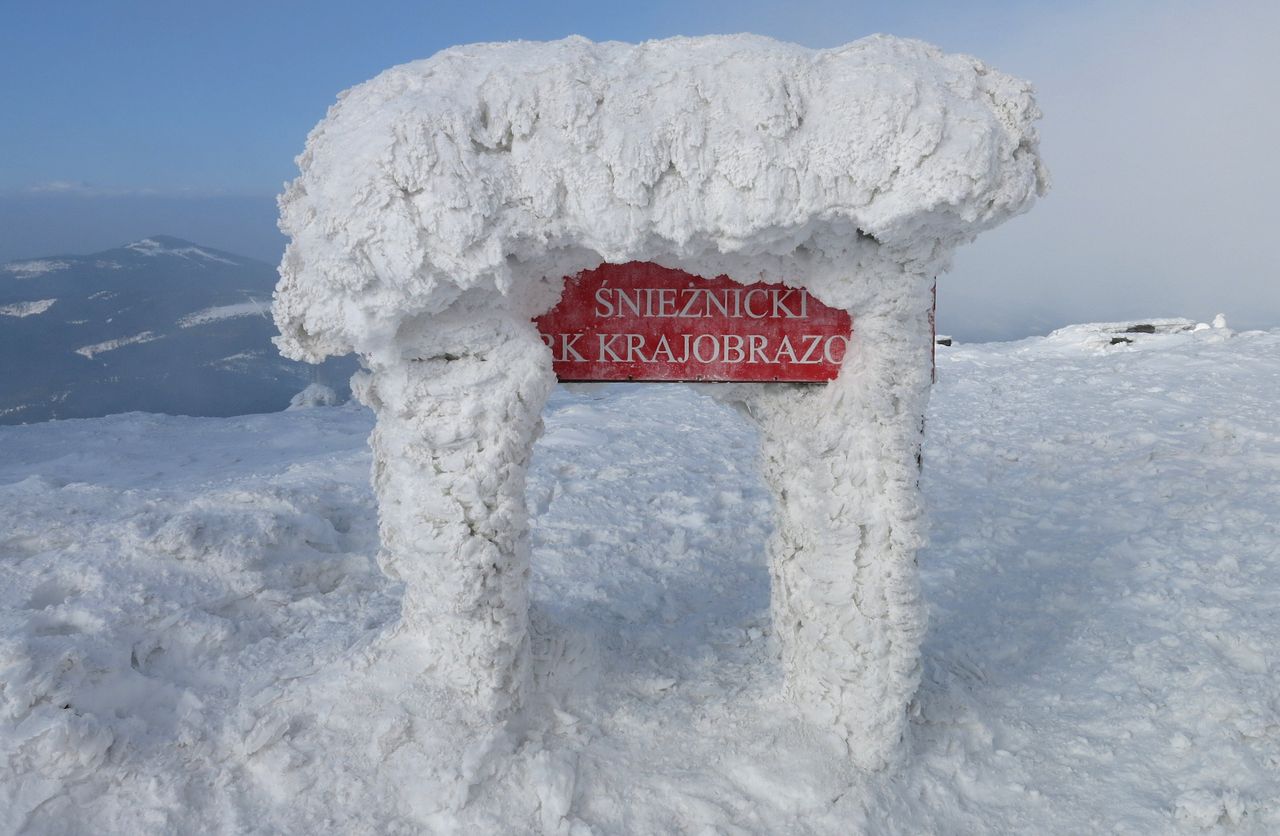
{"points": [[23, 309], [1133, 334], [473, 175], [316, 394]]}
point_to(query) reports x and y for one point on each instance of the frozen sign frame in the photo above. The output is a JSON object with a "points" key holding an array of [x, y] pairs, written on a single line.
{"points": [[437, 207], [642, 321]]}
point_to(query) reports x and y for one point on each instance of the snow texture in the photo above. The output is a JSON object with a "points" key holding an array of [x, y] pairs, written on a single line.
{"points": [[190, 609], [440, 205]]}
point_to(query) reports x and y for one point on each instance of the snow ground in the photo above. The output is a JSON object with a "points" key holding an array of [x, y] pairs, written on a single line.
{"points": [[190, 618]]}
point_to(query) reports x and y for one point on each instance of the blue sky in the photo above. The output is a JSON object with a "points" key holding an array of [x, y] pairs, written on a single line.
{"points": [[123, 119], [218, 97]]}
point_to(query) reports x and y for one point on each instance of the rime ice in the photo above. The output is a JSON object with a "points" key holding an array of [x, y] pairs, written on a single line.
{"points": [[440, 205]]}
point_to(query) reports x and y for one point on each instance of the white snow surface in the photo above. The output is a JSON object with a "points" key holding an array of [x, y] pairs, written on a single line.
{"points": [[188, 609], [22, 309], [221, 312]]}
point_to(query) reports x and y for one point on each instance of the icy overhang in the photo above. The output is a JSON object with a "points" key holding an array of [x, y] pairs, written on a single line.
{"points": [[479, 177]]}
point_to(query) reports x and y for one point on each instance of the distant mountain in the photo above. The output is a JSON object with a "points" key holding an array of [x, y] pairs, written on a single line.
{"points": [[159, 325]]}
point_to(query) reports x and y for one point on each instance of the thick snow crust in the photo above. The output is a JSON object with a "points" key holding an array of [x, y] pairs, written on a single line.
{"points": [[189, 607], [481, 176], [440, 205]]}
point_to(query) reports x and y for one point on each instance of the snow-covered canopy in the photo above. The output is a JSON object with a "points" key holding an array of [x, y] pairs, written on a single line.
{"points": [[480, 176]]}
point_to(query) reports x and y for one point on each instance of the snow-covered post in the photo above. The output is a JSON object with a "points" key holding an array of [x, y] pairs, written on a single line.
{"points": [[456, 422], [842, 462]]}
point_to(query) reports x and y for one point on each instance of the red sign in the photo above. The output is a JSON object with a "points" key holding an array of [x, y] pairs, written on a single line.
{"points": [[640, 321]]}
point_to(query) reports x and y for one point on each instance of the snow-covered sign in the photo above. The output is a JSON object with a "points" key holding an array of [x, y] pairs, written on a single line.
{"points": [[438, 210], [642, 321]]}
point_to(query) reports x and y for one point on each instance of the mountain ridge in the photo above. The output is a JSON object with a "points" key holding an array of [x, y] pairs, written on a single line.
{"points": [[160, 324]]}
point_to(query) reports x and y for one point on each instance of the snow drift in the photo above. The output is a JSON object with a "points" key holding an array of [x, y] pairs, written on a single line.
{"points": [[441, 204]]}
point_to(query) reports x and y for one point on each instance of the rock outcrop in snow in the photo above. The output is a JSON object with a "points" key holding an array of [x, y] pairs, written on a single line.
{"points": [[441, 204]]}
